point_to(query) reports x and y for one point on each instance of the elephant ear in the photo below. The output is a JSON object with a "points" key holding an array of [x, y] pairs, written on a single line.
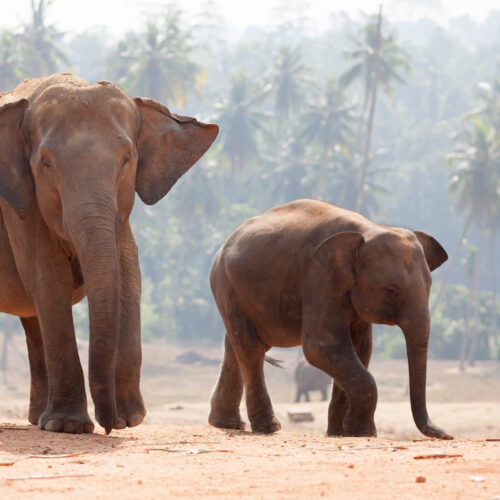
{"points": [[337, 255], [434, 253], [16, 181], [168, 146]]}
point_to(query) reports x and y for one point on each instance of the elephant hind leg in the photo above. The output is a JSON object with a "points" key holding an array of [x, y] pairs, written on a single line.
{"points": [[249, 352], [38, 370], [226, 397]]}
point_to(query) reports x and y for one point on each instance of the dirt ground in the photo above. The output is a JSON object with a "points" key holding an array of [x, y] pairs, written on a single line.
{"points": [[175, 454], [153, 462]]}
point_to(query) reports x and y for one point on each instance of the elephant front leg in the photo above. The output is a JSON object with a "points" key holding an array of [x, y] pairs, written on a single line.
{"points": [[129, 401], [333, 352], [38, 372], [361, 335], [66, 409]]}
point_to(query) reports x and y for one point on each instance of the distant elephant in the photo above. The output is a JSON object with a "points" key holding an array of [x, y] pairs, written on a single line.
{"points": [[315, 274], [309, 378], [72, 156]]}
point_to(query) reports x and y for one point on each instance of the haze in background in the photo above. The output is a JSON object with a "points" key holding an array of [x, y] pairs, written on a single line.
{"points": [[121, 15], [291, 85]]}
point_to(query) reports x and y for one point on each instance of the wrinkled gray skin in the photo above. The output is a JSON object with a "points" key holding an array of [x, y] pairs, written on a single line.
{"points": [[72, 157], [312, 274], [309, 378]]}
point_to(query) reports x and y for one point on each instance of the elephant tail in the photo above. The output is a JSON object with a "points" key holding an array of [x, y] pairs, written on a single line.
{"points": [[278, 363]]}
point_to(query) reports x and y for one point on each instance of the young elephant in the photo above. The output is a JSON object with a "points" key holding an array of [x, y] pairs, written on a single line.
{"points": [[309, 378], [314, 274], [72, 157]]}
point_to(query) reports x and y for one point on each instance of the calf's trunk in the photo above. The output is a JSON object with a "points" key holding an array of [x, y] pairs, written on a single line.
{"points": [[417, 338]]}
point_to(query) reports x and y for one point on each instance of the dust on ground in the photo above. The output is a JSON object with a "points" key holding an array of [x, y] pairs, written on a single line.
{"points": [[175, 454], [201, 462]]}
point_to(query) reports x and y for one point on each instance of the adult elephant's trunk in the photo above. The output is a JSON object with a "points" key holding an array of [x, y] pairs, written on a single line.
{"points": [[93, 231], [416, 333]]}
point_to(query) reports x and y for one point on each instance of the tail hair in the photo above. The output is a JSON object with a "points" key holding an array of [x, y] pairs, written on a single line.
{"points": [[278, 363]]}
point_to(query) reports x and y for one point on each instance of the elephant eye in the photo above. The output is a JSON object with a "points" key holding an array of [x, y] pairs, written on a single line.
{"points": [[126, 160], [45, 161], [392, 290]]}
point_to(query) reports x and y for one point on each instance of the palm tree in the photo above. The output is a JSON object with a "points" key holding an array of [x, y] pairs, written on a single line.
{"points": [[240, 120], [489, 111], [377, 60], [327, 123], [475, 187], [489, 105], [8, 60], [40, 52], [288, 83], [157, 62]]}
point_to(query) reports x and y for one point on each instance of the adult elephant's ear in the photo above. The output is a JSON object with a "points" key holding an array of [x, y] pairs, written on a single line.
{"points": [[337, 255], [168, 145], [434, 253], [16, 181]]}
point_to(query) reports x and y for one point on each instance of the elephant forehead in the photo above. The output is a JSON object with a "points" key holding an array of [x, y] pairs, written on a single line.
{"points": [[100, 104], [392, 250], [86, 138]]}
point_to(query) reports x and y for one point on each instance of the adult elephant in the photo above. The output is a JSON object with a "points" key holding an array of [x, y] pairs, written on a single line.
{"points": [[314, 274], [72, 156]]}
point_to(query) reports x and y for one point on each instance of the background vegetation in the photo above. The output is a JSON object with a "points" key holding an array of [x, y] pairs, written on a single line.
{"points": [[400, 122]]}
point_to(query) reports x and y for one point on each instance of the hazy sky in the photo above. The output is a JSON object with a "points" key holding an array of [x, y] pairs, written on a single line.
{"points": [[122, 15]]}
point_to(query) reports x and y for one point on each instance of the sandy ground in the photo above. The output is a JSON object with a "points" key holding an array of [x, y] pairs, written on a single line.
{"points": [[175, 454], [153, 462]]}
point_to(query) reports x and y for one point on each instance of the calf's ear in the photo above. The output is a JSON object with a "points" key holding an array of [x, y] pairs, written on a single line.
{"points": [[168, 145], [435, 254], [337, 256]]}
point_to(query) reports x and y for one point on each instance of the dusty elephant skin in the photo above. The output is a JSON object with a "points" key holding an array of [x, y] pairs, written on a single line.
{"points": [[314, 274], [309, 378], [72, 156]]}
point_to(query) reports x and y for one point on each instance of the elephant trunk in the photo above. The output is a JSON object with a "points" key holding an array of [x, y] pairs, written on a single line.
{"points": [[93, 232], [416, 334]]}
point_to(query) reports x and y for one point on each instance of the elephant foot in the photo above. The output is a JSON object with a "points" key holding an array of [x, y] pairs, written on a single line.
{"points": [[335, 430], [358, 429], [35, 410], [266, 426], [130, 411], [68, 422], [226, 422]]}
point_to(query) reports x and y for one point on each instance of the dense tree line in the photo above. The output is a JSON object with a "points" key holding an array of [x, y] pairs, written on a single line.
{"points": [[401, 122]]}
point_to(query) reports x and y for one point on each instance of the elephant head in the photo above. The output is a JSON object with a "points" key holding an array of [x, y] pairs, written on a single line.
{"points": [[387, 274], [81, 152]]}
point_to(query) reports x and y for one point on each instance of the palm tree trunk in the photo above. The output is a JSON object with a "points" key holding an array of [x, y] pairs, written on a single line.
{"points": [[366, 153], [493, 270], [452, 263], [349, 169], [465, 337], [7, 339], [475, 298]]}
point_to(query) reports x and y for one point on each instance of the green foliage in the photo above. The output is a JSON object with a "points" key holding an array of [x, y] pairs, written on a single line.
{"points": [[453, 321], [449, 325], [156, 62], [40, 44], [292, 114], [391, 58]]}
